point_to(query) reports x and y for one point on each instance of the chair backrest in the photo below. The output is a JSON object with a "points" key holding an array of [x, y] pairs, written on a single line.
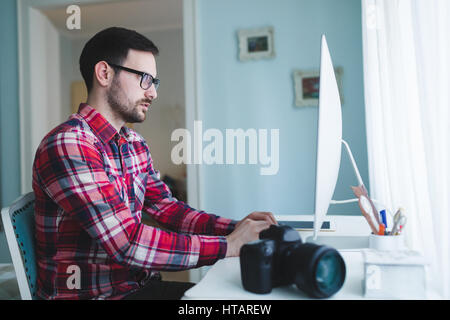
{"points": [[18, 220]]}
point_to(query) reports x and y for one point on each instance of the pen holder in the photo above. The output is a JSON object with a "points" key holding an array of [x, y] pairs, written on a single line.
{"points": [[386, 243]]}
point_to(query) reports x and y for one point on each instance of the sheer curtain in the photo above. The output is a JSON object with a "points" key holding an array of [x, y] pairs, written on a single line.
{"points": [[406, 47]]}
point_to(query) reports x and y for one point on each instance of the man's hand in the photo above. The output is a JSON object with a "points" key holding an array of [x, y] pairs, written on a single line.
{"points": [[259, 215], [248, 230]]}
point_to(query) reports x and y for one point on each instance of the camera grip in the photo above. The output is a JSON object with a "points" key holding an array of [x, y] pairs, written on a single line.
{"points": [[256, 260]]}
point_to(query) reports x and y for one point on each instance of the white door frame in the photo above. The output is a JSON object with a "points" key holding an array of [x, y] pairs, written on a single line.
{"points": [[192, 92], [192, 70]]}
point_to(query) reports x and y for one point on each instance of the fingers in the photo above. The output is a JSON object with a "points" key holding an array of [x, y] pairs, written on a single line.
{"points": [[263, 215], [272, 218], [261, 225], [255, 225], [247, 231]]}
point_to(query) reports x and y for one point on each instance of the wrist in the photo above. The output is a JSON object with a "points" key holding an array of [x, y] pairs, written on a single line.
{"points": [[230, 247]]}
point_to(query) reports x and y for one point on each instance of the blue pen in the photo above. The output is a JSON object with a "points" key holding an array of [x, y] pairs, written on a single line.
{"points": [[383, 218]]}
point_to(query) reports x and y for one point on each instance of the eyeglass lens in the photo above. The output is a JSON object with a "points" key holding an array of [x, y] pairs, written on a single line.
{"points": [[147, 80]]}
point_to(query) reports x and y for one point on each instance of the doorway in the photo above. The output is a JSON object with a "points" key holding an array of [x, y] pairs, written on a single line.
{"points": [[51, 86]]}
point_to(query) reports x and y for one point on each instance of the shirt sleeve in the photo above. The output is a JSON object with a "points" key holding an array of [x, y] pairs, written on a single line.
{"points": [[177, 215], [70, 170]]}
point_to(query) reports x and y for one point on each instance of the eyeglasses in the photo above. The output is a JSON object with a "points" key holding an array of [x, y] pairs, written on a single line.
{"points": [[146, 79]]}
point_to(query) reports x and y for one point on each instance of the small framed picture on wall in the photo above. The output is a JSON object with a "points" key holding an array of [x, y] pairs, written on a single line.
{"points": [[307, 87], [256, 44]]}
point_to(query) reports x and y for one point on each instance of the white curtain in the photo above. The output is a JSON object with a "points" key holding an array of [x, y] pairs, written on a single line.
{"points": [[406, 47]]}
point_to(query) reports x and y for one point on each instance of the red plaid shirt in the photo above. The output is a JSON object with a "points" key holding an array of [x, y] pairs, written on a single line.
{"points": [[91, 186]]}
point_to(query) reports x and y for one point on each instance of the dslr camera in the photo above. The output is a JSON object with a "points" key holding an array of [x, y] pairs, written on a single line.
{"points": [[280, 258]]}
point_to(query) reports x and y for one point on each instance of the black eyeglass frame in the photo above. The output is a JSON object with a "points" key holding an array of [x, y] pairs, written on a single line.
{"points": [[154, 81]]}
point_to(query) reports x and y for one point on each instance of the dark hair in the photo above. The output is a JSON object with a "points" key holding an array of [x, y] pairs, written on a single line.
{"points": [[111, 45]]}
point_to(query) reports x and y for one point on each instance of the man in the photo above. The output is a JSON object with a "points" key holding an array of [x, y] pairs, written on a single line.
{"points": [[93, 179]]}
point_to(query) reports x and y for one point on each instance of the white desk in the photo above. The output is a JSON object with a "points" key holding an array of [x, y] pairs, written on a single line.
{"points": [[223, 281]]}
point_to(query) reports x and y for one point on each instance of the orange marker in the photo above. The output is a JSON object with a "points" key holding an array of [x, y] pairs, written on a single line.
{"points": [[381, 231]]}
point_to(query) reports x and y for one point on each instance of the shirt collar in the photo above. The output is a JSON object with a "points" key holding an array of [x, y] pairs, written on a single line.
{"points": [[99, 125]]}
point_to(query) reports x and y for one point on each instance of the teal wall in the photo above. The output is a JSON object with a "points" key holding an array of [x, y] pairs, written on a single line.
{"points": [[260, 94], [9, 105], [9, 113], [234, 94]]}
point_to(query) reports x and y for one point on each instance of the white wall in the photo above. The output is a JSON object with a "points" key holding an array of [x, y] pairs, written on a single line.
{"points": [[66, 56], [42, 93]]}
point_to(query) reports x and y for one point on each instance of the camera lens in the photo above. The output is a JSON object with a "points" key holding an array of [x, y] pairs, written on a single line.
{"points": [[319, 271], [329, 272]]}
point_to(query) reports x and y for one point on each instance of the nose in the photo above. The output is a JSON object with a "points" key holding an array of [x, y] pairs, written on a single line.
{"points": [[151, 93]]}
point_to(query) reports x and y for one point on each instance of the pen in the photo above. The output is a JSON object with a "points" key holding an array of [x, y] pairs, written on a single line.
{"points": [[402, 225], [383, 218], [399, 219]]}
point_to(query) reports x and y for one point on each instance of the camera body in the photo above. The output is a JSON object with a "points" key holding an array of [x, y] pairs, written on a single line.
{"points": [[280, 258]]}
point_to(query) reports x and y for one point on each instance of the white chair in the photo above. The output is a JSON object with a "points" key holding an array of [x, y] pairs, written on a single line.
{"points": [[18, 220]]}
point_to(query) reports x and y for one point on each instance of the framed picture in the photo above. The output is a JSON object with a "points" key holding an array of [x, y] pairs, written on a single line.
{"points": [[307, 85], [256, 44]]}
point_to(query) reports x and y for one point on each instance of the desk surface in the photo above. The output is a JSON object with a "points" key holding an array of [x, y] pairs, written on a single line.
{"points": [[223, 281]]}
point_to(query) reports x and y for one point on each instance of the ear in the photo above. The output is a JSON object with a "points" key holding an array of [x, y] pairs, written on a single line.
{"points": [[103, 74]]}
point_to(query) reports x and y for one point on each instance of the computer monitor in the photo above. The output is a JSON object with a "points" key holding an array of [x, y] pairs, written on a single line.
{"points": [[329, 137]]}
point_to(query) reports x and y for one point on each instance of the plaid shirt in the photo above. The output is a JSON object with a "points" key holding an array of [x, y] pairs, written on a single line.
{"points": [[91, 185]]}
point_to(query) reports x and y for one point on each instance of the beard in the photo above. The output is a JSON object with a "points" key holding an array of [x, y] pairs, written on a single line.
{"points": [[124, 107]]}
